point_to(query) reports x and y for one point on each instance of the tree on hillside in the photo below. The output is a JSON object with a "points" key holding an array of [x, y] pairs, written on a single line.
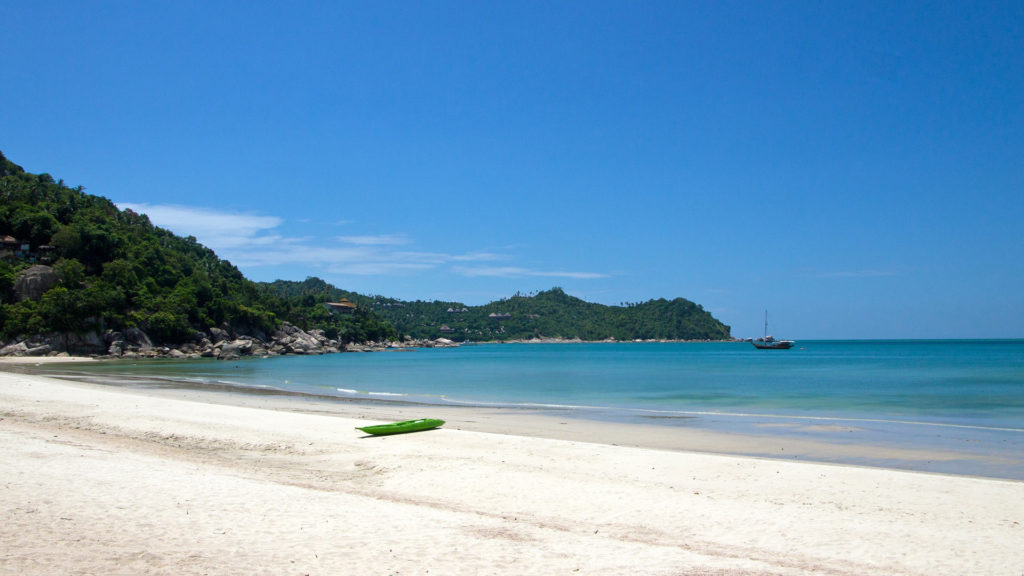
{"points": [[118, 271]]}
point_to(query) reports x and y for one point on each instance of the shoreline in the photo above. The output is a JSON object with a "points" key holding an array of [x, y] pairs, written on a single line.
{"points": [[40, 360], [772, 441], [101, 479], [907, 446]]}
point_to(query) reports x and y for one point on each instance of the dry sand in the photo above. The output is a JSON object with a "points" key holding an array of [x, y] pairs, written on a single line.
{"points": [[102, 480]]}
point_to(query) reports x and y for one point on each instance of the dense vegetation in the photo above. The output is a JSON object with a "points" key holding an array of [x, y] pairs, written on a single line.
{"points": [[303, 304], [553, 314], [117, 270]]}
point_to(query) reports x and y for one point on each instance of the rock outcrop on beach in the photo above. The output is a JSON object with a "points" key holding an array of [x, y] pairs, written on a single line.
{"points": [[217, 342]]}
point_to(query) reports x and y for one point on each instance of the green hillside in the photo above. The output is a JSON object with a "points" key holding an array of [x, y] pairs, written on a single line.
{"points": [[115, 271], [548, 314], [553, 314]]}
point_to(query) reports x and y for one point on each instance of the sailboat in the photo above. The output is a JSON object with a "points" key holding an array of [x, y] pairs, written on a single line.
{"points": [[769, 342]]}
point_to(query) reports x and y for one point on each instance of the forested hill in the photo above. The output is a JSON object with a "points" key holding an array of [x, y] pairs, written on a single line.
{"points": [[553, 314], [109, 270], [548, 314], [114, 270]]}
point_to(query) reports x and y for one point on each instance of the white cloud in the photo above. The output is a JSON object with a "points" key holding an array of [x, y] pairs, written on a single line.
{"points": [[218, 230], [380, 240], [478, 257], [249, 240], [498, 271], [379, 267], [568, 274], [517, 272]]}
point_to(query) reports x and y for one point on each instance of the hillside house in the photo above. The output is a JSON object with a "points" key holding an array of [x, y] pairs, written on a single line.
{"points": [[12, 249], [342, 306]]}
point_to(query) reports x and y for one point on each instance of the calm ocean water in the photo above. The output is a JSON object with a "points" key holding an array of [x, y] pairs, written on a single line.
{"points": [[913, 394]]}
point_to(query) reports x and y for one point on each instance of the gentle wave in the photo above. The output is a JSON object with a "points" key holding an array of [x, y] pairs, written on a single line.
{"points": [[234, 384], [369, 393], [962, 396], [688, 413], [257, 387], [475, 403], [827, 419]]}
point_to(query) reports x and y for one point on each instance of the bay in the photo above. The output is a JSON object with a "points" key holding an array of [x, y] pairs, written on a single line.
{"points": [[964, 394]]}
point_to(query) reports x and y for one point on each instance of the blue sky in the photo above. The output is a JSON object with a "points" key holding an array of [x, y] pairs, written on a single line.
{"points": [[856, 168]]}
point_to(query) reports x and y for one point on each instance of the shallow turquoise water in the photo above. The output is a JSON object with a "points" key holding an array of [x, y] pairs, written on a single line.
{"points": [[915, 394], [978, 383]]}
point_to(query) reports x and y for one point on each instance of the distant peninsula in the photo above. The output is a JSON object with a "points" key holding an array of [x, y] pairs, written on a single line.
{"points": [[80, 276], [550, 315]]}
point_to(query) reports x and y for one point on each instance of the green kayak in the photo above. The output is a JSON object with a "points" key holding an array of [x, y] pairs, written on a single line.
{"points": [[402, 427]]}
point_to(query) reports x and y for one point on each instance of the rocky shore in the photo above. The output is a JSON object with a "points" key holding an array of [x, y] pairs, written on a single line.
{"points": [[220, 343], [226, 344]]}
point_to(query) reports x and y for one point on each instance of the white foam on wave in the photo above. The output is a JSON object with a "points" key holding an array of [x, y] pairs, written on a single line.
{"points": [[379, 394], [518, 404], [229, 384], [351, 391]]}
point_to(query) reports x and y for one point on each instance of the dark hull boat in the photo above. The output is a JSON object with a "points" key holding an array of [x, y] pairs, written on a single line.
{"points": [[769, 342]]}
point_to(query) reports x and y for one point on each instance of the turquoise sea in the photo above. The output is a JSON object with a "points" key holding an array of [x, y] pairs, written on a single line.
{"points": [[964, 395]]}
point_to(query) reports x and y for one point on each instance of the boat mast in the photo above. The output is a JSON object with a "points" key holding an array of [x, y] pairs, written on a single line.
{"points": [[766, 325]]}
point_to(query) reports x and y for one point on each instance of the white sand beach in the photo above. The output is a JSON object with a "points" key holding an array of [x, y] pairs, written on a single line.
{"points": [[107, 480]]}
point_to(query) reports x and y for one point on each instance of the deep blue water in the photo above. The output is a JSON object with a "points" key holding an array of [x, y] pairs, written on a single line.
{"points": [[906, 393]]}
